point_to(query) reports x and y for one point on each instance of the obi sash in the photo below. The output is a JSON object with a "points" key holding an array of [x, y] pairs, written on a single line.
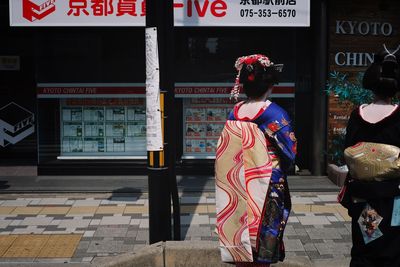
{"points": [[243, 170]]}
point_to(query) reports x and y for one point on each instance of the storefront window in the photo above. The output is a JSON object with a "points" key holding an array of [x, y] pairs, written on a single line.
{"points": [[103, 127], [91, 97], [205, 73]]}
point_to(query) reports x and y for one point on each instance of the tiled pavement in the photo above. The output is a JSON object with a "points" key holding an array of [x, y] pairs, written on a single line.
{"points": [[77, 228]]}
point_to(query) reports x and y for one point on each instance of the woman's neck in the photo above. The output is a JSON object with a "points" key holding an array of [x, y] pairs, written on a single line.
{"points": [[262, 98], [382, 100]]}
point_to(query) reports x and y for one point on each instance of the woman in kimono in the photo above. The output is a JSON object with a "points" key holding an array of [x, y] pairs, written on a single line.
{"points": [[256, 148], [374, 205]]}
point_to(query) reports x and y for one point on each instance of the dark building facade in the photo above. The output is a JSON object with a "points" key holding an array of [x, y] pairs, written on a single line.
{"points": [[80, 91]]}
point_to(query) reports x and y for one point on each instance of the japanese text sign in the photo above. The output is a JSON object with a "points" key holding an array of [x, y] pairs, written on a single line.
{"points": [[77, 12], [282, 13]]}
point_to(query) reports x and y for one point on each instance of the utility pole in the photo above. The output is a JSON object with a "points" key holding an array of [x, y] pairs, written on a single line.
{"points": [[161, 164]]}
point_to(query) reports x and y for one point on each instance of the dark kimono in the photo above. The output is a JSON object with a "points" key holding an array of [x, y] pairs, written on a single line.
{"points": [[375, 240], [272, 152]]}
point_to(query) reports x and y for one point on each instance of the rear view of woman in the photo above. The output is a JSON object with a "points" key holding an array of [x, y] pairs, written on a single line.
{"points": [[375, 233], [255, 150]]}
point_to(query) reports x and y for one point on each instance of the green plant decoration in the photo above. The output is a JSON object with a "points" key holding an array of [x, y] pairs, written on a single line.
{"points": [[349, 92]]}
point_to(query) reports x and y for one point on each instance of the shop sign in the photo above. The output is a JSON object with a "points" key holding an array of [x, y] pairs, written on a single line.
{"points": [[129, 90], [282, 13], [77, 12], [284, 90], [16, 123], [49, 90]]}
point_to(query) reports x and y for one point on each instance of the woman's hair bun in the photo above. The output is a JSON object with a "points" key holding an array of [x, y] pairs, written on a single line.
{"points": [[383, 76], [256, 79]]}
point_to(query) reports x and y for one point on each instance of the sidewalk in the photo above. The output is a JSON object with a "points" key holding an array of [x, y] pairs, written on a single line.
{"points": [[76, 228]]}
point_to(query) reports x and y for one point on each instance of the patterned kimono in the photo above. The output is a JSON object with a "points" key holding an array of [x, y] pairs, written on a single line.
{"points": [[252, 195]]}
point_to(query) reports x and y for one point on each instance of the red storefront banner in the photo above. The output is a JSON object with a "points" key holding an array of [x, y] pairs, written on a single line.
{"points": [[182, 90]]}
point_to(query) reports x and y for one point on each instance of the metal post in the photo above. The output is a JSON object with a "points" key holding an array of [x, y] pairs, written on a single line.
{"points": [[161, 165], [320, 62]]}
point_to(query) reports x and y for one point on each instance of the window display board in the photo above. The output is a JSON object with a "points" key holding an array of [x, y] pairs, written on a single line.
{"points": [[203, 120], [103, 127]]}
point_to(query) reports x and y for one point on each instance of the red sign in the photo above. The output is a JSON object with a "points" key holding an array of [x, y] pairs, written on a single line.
{"points": [[37, 9]]}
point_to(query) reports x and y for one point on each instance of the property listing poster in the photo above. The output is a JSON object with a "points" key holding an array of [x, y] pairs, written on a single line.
{"points": [[95, 127], [204, 119]]}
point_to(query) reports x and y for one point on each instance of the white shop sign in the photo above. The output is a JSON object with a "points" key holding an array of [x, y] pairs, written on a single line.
{"points": [[279, 13]]}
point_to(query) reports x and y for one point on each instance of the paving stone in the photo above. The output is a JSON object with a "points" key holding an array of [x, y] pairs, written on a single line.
{"points": [[110, 210], [107, 246], [15, 223], [193, 200], [309, 247], [88, 233], [5, 223], [119, 200], [6, 210], [115, 220], [198, 231], [324, 233], [314, 255], [16, 203], [95, 222], [136, 209], [55, 210], [301, 200], [292, 245], [301, 208], [194, 209], [28, 230], [54, 228], [131, 233], [289, 231], [83, 245], [37, 221], [195, 219], [348, 226], [144, 224], [27, 210], [74, 223], [331, 248], [53, 201], [332, 218], [293, 219], [328, 198], [111, 231], [82, 210], [142, 235], [313, 220], [86, 202], [300, 231]]}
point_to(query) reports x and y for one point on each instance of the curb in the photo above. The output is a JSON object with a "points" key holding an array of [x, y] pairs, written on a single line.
{"points": [[195, 254]]}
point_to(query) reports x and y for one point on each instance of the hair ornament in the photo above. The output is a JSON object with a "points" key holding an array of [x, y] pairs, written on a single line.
{"points": [[250, 68], [249, 61], [390, 54]]}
